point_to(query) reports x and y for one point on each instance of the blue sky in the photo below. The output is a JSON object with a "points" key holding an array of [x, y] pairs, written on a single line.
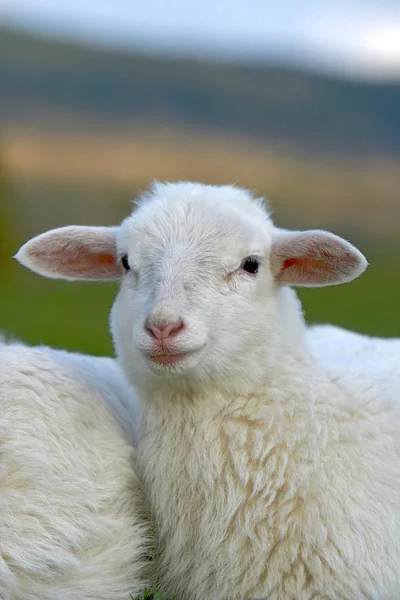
{"points": [[358, 37]]}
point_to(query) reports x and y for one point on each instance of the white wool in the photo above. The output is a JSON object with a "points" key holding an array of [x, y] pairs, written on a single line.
{"points": [[369, 365], [72, 523], [269, 474]]}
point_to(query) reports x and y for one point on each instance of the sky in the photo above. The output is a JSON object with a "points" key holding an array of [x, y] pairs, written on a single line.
{"points": [[360, 38]]}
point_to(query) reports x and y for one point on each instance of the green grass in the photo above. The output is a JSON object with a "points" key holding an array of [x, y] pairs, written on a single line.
{"points": [[60, 314], [75, 315]]}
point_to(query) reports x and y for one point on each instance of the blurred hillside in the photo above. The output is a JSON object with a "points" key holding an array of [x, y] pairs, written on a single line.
{"points": [[74, 175], [44, 80]]}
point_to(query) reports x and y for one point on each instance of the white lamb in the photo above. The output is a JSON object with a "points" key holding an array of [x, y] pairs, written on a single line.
{"points": [[72, 523], [268, 476]]}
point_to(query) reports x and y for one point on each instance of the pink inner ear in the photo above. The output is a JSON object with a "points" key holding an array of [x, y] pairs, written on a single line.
{"points": [[87, 264], [306, 264], [78, 263], [105, 259], [310, 270]]}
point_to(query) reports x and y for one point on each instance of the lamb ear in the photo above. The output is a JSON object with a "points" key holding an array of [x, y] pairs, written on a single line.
{"points": [[73, 252], [314, 258]]}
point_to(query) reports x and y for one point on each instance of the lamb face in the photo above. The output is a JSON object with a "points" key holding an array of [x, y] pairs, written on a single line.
{"points": [[196, 270]]}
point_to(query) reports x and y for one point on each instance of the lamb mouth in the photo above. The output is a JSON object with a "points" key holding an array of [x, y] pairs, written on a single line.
{"points": [[171, 358], [165, 359]]}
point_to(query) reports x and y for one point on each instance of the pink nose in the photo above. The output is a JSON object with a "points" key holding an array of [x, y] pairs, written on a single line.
{"points": [[163, 332]]}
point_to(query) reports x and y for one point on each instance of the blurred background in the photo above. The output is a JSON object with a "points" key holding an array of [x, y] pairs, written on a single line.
{"points": [[299, 101]]}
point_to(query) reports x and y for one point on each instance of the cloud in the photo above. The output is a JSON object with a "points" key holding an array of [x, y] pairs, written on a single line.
{"points": [[367, 43], [354, 36]]}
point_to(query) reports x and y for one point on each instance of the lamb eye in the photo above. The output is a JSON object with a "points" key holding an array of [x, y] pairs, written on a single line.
{"points": [[250, 264], [125, 263]]}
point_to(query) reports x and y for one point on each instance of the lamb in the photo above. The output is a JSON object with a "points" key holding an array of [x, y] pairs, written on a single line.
{"points": [[72, 511], [268, 476]]}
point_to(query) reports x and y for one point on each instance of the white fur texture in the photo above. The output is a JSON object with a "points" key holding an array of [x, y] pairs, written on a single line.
{"points": [[269, 474], [369, 365], [72, 521]]}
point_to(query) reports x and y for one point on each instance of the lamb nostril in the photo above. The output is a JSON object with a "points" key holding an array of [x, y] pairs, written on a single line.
{"points": [[172, 329], [152, 330], [164, 331]]}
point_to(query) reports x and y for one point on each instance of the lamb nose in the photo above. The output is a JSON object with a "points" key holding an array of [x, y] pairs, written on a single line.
{"points": [[164, 331]]}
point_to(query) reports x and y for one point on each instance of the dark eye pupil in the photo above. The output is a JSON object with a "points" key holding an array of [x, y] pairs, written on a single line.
{"points": [[250, 265], [125, 263]]}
